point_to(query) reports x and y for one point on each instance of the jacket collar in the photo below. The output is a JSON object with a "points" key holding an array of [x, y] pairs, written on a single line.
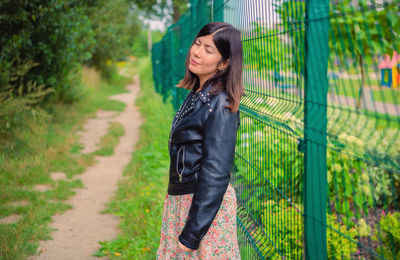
{"points": [[203, 94]]}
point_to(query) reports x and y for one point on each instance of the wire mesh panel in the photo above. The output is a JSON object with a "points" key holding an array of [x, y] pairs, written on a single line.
{"points": [[363, 155], [317, 165], [269, 160], [169, 60]]}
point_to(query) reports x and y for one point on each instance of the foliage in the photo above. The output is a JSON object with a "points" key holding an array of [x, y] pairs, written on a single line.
{"points": [[349, 187], [385, 173], [286, 222], [359, 180], [153, 8], [139, 48], [110, 140], [61, 35], [369, 30], [292, 14], [115, 26], [359, 32], [389, 236], [57, 35], [356, 30], [360, 176], [19, 112], [42, 49], [275, 169], [51, 146], [339, 246], [363, 229], [364, 159], [258, 54]]}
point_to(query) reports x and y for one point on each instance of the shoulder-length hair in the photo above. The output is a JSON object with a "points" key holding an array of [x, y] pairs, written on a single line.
{"points": [[227, 39]]}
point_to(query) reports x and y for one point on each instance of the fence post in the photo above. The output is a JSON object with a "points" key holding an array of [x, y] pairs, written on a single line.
{"points": [[315, 109], [171, 63], [218, 11]]}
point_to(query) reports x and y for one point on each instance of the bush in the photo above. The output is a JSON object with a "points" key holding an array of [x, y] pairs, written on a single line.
{"points": [[389, 236], [19, 112], [115, 25], [56, 35], [339, 246], [286, 223]]}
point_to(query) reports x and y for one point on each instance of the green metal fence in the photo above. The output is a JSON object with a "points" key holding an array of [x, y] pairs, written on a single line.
{"points": [[317, 166]]}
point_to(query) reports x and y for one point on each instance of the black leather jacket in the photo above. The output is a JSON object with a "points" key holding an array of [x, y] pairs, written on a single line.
{"points": [[202, 147]]}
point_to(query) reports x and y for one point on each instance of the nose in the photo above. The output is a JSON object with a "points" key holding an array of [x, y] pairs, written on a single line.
{"points": [[196, 51]]}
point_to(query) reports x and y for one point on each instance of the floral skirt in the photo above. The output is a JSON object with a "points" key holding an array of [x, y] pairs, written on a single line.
{"points": [[220, 242]]}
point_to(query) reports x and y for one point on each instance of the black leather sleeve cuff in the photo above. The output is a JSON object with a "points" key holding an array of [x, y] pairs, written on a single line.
{"points": [[192, 244]]}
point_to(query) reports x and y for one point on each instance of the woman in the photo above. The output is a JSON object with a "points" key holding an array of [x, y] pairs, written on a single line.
{"points": [[199, 218]]}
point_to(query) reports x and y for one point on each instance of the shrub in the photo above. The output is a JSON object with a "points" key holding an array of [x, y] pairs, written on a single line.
{"points": [[115, 25], [389, 236], [19, 108], [55, 35], [339, 246], [285, 223]]}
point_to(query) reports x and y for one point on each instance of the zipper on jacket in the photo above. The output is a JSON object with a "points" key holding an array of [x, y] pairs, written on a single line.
{"points": [[183, 162], [180, 117], [173, 128]]}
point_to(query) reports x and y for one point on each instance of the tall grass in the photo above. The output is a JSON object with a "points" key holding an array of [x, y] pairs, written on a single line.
{"points": [[140, 197]]}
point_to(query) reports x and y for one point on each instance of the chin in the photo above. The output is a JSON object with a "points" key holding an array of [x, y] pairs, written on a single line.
{"points": [[193, 71]]}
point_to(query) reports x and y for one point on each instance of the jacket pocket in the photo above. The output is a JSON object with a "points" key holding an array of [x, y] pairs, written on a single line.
{"points": [[181, 158]]}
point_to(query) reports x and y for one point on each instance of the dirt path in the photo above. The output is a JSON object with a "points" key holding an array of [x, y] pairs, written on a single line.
{"points": [[80, 229]]}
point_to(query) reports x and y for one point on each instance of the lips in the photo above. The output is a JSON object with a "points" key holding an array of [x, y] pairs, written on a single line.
{"points": [[193, 62]]}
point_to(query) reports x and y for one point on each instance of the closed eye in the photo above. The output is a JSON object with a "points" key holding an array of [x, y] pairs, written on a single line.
{"points": [[198, 44]]}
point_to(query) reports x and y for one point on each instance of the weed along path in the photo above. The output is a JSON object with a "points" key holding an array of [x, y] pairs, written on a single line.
{"points": [[79, 229]]}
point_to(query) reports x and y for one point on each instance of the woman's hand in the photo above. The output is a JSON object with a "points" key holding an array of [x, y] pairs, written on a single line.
{"points": [[184, 248]]}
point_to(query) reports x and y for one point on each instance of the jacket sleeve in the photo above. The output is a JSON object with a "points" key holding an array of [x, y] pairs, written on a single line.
{"points": [[219, 141]]}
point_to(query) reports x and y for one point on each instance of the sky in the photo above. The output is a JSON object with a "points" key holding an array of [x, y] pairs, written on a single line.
{"points": [[239, 13], [157, 25], [247, 11]]}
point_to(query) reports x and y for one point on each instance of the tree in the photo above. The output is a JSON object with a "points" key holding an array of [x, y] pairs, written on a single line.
{"points": [[60, 36], [363, 31], [261, 51], [55, 35], [292, 14], [360, 30], [116, 25], [156, 8]]}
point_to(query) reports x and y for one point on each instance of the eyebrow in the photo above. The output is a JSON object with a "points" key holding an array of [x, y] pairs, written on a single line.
{"points": [[207, 45]]}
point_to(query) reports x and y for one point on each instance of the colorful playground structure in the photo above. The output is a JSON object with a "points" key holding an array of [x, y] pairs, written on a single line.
{"points": [[390, 71]]}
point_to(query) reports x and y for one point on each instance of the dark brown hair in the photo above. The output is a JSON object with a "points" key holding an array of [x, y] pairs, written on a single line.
{"points": [[227, 39]]}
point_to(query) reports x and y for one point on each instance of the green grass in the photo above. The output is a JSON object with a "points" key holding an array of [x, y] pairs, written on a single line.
{"points": [[387, 95], [110, 140], [51, 146], [140, 197], [351, 87]]}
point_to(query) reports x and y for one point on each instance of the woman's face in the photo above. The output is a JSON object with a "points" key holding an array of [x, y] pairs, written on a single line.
{"points": [[204, 58]]}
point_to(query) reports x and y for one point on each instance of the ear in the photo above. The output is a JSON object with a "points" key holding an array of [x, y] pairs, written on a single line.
{"points": [[224, 64]]}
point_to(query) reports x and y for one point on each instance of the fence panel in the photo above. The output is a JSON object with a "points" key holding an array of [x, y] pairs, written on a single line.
{"points": [[317, 165], [363, 144]]}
